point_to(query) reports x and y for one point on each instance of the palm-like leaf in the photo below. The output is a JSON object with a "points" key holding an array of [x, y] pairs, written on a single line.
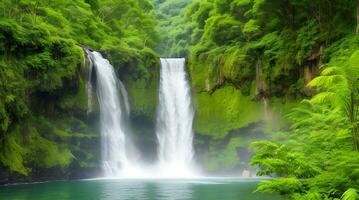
{"points": [[338, 86]]}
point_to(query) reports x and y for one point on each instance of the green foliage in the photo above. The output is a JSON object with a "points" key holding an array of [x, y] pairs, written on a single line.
{"points": [[44, 153], [229, 44], [251, 28], [281, 185], [43, 98], [223, 111], [350, 194], [319, 149], [276, 158], [222, 159], [232, 44], [282, 35], [345, 94], [222, 29], [144, 96], [12, 153], [172, 27]]}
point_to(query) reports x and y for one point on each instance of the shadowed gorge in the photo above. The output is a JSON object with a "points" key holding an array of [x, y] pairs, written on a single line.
{"points": [[179, 99]]}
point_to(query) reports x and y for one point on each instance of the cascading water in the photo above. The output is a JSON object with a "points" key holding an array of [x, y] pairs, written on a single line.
{"points": [[89, 84], [118, 153], [174, 120]]}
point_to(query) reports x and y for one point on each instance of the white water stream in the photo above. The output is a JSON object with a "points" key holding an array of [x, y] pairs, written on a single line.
{"points": [[174, 120], [119, 156], [174, 131]]}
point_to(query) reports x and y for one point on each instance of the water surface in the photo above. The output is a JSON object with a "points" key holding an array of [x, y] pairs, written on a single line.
{"points": [[202, 189]]}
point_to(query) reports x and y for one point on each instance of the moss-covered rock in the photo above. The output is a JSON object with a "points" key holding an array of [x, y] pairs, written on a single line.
{"points": [[224, 110], [224, 159], [12, 152], [143, 95]]}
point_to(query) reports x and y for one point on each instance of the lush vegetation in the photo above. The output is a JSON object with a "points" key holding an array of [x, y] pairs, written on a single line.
{"points": [[280, 52], [317, 156], [169, 15], [280, 74], [43, 98]]}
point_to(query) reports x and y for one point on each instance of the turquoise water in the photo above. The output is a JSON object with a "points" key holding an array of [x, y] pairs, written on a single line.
{"points": [[203, 189]]}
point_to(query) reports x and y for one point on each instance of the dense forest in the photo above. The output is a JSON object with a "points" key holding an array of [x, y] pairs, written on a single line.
{"points": [[43, 75], [275, 85]]}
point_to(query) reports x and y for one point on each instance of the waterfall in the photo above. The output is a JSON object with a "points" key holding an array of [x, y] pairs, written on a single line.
{"points": [[174, 120], [89, 84], [118, 152]]}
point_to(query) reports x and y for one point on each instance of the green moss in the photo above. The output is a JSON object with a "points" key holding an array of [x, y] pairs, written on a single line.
{"points": [[143, 96], [225, 110], [200, 75], [283, 106], [45, 153], [222, 159], [278, 109], [12, 154], [354, 60], [21, 153], [77, 101], [221, 64], [74, 139]]}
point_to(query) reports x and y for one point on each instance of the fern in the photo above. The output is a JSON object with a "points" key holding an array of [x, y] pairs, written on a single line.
{"points": [[350, 194], [281, 185]]}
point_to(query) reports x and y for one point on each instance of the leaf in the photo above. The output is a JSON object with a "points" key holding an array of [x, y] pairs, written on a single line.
{"points": [[350, 194]]}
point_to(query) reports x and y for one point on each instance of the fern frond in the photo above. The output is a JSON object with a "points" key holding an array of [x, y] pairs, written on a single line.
{"points": [[332, 71], [326, 97], [333, 82], [281, 185], [350, 194]]}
